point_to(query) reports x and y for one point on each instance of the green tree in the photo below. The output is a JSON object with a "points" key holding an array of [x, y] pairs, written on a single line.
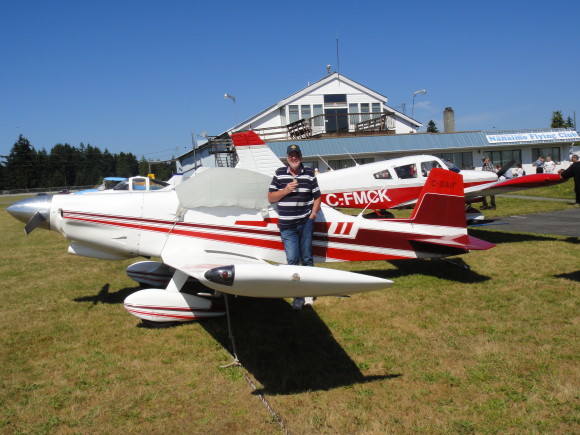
{"points": [[108, 164], [569, 123], [64, 161], [20, 165], [162, 170], [126, 165], [42, 166], [557, 119], [143, 166], [2, 174], [432, 127]]}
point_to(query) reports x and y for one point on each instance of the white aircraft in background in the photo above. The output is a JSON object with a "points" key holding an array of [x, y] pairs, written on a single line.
{"points": [[138, 183], [218, 228], [387, 183]]}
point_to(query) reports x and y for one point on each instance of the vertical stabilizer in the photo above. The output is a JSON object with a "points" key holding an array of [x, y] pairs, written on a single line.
{"points": [[441, 201], [254, 154]]}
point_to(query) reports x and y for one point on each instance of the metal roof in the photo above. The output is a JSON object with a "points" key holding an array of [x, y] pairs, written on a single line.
{"points": [[414, 142]]}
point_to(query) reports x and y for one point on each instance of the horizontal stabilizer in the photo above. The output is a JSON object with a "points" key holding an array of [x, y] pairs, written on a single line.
{"points": [[463, 242]]}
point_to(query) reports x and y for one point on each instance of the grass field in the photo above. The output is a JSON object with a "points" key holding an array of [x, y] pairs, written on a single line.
{"points": [[492, 349]]}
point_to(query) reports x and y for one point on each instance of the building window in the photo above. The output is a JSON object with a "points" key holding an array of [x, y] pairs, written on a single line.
{"points": [[318, 118], [503, 157], [313, 164], [376, 109], [334, 99], [353, 108], [553, 152], [347, 163], [305, 111], [293, 113], [461, 160], [365, 109]]}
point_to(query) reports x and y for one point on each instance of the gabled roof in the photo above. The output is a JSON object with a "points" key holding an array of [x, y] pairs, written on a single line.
{"points": [[310, 88]]}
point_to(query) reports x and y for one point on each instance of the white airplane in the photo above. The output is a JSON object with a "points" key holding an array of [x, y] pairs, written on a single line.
{"points": [[384, 184], [218, 227]]}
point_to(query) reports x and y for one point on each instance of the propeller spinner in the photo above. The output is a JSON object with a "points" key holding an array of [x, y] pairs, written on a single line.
{"points": [[34, 212]]}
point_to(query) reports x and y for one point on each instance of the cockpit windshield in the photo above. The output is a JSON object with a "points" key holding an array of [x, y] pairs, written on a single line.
{"points": [[427, 166]]}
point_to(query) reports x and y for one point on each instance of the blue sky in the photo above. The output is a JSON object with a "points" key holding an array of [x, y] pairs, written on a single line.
{"points": [[141, 76]]}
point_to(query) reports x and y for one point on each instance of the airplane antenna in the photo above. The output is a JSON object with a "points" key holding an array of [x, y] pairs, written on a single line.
{"points": [[355, 162], [323, 161], [337, 57]]}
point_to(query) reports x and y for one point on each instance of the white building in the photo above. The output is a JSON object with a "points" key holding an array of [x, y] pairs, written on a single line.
{"points": [[338, 121], [334, 104]]}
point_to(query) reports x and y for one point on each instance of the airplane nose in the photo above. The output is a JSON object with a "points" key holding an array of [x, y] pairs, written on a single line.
{"points": [[34, 212]]}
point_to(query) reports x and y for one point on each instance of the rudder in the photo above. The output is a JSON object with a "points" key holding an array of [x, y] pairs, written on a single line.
{"points": [[254, 154]]}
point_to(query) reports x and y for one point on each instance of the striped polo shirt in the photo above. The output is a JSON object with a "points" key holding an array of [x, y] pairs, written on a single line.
{"points": [[295, 207]]}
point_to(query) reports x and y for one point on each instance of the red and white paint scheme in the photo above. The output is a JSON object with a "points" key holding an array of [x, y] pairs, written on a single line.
{"points": [[218, 228], [384, 184]]}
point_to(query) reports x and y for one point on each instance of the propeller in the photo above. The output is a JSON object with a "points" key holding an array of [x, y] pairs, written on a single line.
{"points": [[35, 221], [505, 168], [34, 212]]}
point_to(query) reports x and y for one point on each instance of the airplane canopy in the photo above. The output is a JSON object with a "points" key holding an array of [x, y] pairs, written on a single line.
{"points": [[217, 187]]}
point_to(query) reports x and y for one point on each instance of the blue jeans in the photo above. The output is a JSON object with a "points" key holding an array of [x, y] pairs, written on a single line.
{"points": [[298, 243]]}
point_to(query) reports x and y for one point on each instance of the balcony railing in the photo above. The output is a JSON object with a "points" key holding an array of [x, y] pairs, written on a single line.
{"points": [[330, 125]]}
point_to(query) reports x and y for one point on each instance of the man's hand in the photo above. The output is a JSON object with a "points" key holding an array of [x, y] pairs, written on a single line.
{"points": [[291, 187]]}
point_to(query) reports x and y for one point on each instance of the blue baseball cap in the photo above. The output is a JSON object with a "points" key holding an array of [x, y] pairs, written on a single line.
{"points": [[293, 149]]}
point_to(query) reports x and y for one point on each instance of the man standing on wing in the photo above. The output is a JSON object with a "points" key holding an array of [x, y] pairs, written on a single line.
{"points": [[295, 189]]}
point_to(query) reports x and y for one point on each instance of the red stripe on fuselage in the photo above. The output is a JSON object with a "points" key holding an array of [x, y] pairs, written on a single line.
{"points": [[369, 239]]}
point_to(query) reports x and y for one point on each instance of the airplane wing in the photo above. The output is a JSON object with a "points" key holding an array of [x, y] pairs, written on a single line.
{"points": [[242, 275], [513, 185], [247, 276]]}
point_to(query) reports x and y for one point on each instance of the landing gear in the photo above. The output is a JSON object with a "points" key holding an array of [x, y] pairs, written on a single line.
{"points": [[473, 215], [380, 214]]}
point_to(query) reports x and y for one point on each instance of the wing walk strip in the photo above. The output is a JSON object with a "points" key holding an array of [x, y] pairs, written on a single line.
{"points": [[362, 246]]}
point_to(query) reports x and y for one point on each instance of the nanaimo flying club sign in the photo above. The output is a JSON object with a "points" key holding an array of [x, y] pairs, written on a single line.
{"points": [[533, 137]]}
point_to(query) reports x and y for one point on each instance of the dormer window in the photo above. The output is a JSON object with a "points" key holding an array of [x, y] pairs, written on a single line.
{"points": [[334, 99]]}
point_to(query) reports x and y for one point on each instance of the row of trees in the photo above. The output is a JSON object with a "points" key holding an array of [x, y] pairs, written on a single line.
{"points": [[66, 165], [557, 122]]}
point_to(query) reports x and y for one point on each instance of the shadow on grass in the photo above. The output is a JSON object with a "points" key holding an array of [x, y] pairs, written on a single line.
{"points": [[498, 237], [455, 269], [574, 276], [104, 297], [286, 351]]}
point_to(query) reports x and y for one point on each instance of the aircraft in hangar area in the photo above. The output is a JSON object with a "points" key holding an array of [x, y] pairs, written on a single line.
{"points": [[219, 228], [388, 183]]}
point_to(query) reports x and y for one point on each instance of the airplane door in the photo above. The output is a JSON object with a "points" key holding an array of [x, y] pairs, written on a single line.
{"points": [[336, 120]]}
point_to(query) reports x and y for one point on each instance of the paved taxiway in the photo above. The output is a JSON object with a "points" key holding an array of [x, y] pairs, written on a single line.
{"points": [[559, 223]]}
